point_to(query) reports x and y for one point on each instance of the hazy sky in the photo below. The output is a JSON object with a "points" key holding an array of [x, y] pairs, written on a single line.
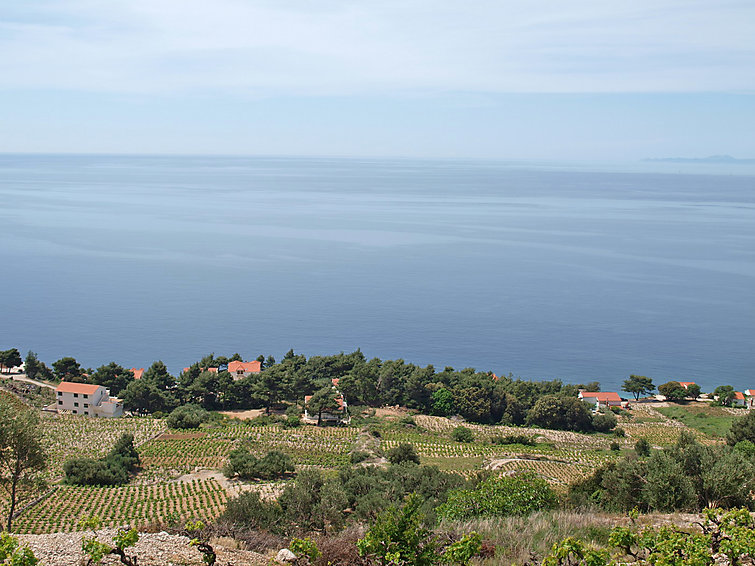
{"points": [[529, 79]]}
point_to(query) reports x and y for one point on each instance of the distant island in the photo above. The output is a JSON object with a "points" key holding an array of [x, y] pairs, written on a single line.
{"points": [[709, 159]]}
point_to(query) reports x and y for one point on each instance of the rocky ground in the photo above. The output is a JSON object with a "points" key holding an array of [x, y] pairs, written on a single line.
{"points": [[153, 549]]}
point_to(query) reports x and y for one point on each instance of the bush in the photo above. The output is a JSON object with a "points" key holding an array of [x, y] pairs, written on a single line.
{"points": [[683, 477], [187, 416], [251, 511], [615, 446], [462, 434], [522, 439], [246, 466], [745, 447], [113, 469], [500, 496], [358, 456], [398, 537], [642, 447], [742, 428], [603, 422], [13, 554], [404, 452], [408, 421], [305, 547], [619, 432]]}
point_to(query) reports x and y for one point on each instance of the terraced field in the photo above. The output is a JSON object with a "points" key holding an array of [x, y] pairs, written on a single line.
{"points": [[68, 436], [307, 445], [128, 505], [560, 457]]}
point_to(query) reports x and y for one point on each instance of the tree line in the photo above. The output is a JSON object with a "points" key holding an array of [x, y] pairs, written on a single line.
{"points": [[480, 397]]}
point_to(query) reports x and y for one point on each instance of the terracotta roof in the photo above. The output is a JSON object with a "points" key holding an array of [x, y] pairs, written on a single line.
{"points": [[750, 392], [602, 395], [138, 373], [83, 388], [244, 367], [211, 370], [686, 384], [335, 381], [738, 395]]}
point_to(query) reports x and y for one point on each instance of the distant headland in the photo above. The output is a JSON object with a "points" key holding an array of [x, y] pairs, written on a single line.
{"points": [[709, 159]]}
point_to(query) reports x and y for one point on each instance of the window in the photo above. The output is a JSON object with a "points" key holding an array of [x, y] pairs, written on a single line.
{"points": [[60, 402], [75, 404], [75, 412], [86, 412], [86, 396], [75, 394], [86, 405], [60, 393]]}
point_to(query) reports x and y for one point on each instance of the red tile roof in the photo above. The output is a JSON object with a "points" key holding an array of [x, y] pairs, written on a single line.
{"points": [[738, 395], [603, 396], [138, 373], [686, 384], [211, 370], [82, 388], [245, 367], [335, 381]]}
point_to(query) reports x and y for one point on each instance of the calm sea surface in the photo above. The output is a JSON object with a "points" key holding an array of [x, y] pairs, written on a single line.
{"points": [[542, 270]]}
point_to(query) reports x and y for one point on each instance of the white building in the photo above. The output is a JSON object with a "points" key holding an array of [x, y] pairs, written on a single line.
{"points": [[87, 399], [601, 398]]}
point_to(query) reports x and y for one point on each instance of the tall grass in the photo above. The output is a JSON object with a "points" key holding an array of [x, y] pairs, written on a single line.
{"points": [[519, 539]]}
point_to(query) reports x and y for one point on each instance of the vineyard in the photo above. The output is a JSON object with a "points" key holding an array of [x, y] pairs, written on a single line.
{"points": [[68, 436], [129, 505], [155, 494], [326, 447]]}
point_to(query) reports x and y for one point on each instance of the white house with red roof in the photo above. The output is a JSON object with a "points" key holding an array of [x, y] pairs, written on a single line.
{"points": [[240, 370], [87, 399], [739, 400], [601, 398]]}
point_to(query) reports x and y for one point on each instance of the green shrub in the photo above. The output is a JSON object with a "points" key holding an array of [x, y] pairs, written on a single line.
{"points": [[398, 537], [305, 547], [642, 447], [745, 447], [187, 416], [522, 439], [603, 422], [249, 510], [407, 421], [500, 496], [113, 469], [462, 434], [246, 466], [404, 452], [615, 446], [619, 432], [13, 554], [358, 456], [463, 550]]}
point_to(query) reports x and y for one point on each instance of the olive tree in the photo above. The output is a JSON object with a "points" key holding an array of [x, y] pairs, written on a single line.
{"points": [[22, 453]]}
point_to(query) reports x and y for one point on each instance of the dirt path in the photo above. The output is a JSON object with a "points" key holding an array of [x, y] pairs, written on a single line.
{"points": [[22, 377]]}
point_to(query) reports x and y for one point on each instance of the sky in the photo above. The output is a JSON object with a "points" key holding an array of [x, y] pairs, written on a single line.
{"points": [[500, 79]]}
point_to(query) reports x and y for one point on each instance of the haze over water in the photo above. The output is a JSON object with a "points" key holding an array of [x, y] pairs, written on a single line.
{"points": [[543, 270]]}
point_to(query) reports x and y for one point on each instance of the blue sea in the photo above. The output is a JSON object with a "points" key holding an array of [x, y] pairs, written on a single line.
{"points": [[545, 270]]}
